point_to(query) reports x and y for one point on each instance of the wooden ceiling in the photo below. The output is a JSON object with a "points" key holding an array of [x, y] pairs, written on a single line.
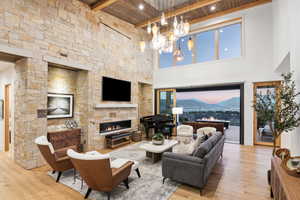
{"points": [[192, 10]]}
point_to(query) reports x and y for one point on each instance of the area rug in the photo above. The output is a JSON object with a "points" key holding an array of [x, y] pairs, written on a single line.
{"points": [[149, 186]]}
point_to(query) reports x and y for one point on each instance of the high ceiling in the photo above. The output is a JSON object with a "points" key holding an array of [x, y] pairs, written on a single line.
{"points": [[192, 10]]}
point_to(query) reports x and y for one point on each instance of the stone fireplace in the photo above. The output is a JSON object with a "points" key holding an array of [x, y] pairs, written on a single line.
{"points": [[114, 127]]}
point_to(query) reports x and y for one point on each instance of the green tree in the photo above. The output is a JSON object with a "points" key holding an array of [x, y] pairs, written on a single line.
{"points": [[279, 109]]}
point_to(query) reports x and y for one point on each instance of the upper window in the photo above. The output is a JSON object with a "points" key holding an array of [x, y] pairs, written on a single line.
{"points": [[230, 41], [205, 46], [221, 43]]}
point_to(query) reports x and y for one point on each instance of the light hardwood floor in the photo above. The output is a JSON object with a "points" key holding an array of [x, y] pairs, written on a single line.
{"points": [[240, 175]]}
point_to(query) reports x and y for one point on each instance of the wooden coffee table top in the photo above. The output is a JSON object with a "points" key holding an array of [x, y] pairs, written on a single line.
{"points": [[158, 148]]}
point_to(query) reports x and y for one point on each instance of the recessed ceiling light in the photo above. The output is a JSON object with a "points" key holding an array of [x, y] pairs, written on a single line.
{"points": [[226, 49], [212, 8], [141, 6]]}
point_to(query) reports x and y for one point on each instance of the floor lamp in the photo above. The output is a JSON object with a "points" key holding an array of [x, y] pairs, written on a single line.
{"points": [[177, 111]]}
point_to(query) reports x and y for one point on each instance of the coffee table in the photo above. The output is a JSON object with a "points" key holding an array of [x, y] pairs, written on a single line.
{"points": [[155, 151]]}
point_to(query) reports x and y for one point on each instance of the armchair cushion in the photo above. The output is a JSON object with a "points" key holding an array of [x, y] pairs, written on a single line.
{"points": [[87, 156], [184, 130], [42, 140], [206, 130]]}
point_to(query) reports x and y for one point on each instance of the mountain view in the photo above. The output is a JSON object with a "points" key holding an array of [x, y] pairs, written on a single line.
{"points": [[232, 104]]}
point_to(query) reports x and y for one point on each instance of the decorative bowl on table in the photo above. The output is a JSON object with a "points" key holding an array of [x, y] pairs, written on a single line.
{"points": [[292, 166], [158, 139]]}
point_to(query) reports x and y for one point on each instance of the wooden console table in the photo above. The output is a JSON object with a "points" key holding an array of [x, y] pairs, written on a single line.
{"points": [[283, 186]]}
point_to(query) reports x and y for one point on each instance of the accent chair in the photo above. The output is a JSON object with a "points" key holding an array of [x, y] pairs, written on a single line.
{"points": [[95, 169], [57, 164]]}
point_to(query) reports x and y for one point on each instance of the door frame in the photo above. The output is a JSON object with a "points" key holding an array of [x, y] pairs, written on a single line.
{"points": [[7, 90], [255, 86], [238, 86], [157, 97]]}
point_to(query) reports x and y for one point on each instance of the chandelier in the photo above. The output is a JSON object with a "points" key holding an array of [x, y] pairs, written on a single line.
{"points": [[166, 42]]}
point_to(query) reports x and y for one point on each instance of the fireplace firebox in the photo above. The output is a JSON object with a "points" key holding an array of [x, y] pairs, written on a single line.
{"points": [[114, 126]]}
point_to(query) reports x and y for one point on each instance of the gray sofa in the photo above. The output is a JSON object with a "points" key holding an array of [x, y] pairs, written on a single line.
{"points": [[194, 169]]}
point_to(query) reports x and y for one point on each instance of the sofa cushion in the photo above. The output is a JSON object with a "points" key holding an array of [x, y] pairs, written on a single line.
{"points": [[203, 149], [215, 138], [206, 146]]}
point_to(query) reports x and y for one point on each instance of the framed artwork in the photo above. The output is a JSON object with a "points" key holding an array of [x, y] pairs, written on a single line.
{"points": [[1, 109], [60, 106]]}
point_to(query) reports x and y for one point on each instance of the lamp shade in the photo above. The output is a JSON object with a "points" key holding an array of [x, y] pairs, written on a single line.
{"points": [[177, 110]]}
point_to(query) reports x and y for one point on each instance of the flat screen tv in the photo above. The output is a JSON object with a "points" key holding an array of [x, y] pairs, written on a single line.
{"points": [[115, 90]]}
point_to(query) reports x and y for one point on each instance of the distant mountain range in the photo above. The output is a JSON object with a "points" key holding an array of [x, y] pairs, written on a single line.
{"points": [[232, 104]]}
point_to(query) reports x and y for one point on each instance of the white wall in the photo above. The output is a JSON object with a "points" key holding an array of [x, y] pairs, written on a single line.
{"points": [[255, 65], [7, 74], [281, 34], [287, 51], [294, 29]]}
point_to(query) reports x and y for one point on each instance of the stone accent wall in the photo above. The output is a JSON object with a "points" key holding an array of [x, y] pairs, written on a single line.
{"points": [[61, 81], [30, 92], [69, 27]]}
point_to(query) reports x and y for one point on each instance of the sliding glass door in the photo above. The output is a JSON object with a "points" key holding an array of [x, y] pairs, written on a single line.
{"points": [[166, 100], [262, 131]]}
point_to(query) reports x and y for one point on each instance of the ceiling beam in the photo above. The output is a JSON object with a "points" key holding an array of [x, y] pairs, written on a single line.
{"points": [[102, 4], [179, 11], [225, 12]]}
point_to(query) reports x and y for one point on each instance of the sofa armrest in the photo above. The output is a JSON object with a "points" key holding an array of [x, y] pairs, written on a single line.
{"points": [[183, 168]]}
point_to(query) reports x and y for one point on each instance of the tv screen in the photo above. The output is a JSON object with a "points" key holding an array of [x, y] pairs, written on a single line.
{"points": [[115, 90]]}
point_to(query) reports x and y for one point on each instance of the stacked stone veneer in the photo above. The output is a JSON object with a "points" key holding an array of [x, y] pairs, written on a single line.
{"points": [[56, 27]]}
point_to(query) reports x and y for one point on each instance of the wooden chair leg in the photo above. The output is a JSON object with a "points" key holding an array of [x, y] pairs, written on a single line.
{"points": [[108, 195], [138, 172], [58, 176], [126, 183], [201, 192], [87, 193]]}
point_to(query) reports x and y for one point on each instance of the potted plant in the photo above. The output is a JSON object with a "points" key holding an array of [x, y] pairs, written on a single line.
{"points": [[279, 109], [158, 139]]}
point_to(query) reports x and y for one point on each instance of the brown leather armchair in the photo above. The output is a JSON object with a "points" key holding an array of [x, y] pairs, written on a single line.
{"points": [[96, 171], [57, 164]]}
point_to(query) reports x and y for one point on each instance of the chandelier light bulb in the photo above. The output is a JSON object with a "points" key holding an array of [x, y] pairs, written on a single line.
{"points": [[154, 29], [175, 23], [142, 46], [190, 44], [186, 27], [163, 20], [149, 29]]}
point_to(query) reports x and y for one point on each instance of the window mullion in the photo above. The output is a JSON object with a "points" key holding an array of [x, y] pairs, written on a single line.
{"points": [[217, 44], [194, 52]]}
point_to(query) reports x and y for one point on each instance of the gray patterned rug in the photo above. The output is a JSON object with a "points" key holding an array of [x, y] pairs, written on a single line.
{"points": [[149, 186]]}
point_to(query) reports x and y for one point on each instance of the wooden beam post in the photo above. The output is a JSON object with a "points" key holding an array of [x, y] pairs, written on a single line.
{"points": [[102, 4]]}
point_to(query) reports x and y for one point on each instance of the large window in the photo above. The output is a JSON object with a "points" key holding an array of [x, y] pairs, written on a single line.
{"points": [[220, 43]]}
